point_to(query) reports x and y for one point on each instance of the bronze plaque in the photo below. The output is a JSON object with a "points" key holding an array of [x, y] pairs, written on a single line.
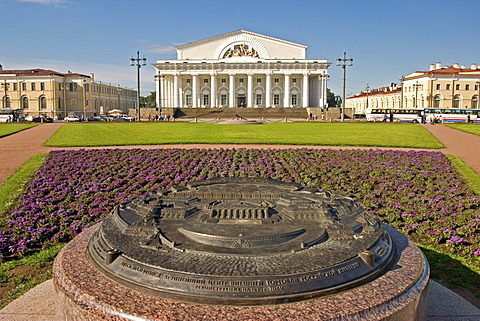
{"points": [[241, 241]]}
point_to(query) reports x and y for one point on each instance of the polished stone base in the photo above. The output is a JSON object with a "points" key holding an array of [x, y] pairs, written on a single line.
{"points": [[85, 294]]}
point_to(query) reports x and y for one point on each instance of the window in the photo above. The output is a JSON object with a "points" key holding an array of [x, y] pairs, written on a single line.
{"points": [[240, 80], [448, 87], [276, 99], [294, 99], [456, 101], [205, 80], [258, 99], [457, 87], [188, 81], [24, 102], [14, 86], [205, 100], [6, 101], [223, 99], [436, 101], [188, 99], [224, 80], [59, 102], [438, 86], [475, 102], [43, 102], [42, 86], [294, 80], [476, 87], [72, 86], [276, 80], [33, 86], [259, 79], [24, 86], [467, 87], [87, 88]]}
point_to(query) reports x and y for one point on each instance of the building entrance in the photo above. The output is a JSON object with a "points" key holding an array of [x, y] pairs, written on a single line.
{"points": [[241, 101]]}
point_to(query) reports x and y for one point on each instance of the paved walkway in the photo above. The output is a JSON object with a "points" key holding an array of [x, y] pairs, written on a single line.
{"points": [[40, 302]]}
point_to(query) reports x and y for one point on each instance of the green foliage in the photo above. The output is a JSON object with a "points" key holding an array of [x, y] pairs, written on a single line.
{"points": [[9, 128], [148, 100], [323, 134]]}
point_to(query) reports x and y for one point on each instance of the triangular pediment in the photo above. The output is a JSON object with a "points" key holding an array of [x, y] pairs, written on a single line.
{"points": [[241, 44]]}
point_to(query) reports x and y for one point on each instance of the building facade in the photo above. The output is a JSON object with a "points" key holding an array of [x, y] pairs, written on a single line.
{"points": [[55, 94], [440, 87], [241, 69]]}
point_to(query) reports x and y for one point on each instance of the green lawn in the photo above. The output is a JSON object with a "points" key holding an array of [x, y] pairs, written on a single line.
{"points": [[469, 128], [328, 134], [9, 128]]}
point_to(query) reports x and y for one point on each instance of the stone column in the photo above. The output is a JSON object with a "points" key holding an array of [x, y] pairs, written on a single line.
{"points": [[194, 91], [286, 94], [175, 91], [249, 90], [325, 90], [159, 93], [268, 90], [320, 88], [231, 91], [305, 100], [213, 90]]}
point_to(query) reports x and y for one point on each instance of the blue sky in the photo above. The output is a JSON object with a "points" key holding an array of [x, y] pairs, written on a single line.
{"points": [[386, 39]]}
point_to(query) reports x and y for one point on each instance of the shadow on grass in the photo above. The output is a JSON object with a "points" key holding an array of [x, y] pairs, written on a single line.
{"points": [[453, 274]]}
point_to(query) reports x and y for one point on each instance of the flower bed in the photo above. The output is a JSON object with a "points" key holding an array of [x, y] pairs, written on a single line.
{"points": [[417, 192]]}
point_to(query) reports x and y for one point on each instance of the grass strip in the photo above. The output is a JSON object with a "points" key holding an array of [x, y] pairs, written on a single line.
{"points": [[320, 134], [470, 177], [468, 128], [8, 129], [13, 187], [19, 276]]}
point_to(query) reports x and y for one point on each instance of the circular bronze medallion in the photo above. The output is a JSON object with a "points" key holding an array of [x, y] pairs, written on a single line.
{"points": [[241, 241]]}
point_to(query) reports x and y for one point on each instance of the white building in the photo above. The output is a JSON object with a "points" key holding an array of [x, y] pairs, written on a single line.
{"points": [[241, 69]]}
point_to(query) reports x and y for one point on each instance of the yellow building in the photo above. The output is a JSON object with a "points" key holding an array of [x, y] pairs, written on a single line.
{"points": [[55, 94], [440, 87]]}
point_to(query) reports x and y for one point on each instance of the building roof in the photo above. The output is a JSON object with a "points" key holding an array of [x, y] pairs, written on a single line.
{"points": [[40, 72], [379, 91], [234, 33], [447, 70]]}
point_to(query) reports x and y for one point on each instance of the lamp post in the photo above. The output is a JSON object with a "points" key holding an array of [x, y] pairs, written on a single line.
{"points": [[367, 89], [138, 62], [344, 62]]}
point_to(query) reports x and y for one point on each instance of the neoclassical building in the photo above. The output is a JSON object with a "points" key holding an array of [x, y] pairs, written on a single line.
{"points": [[56, 94], [440, 87], [241, 69]]}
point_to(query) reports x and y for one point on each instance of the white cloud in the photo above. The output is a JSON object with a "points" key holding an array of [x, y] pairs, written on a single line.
{"points": [[56, 3], [160, 49]]}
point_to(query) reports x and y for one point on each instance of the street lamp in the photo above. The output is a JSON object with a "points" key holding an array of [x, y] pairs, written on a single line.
{"points": [[344, 62], [138, 62], [367, 89]]}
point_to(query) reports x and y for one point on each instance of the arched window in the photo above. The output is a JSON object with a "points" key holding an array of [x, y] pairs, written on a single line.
{"points": [[59, 102], [6, 102], [422, 104], [25, 102], [436, 101], [43, 102], [414, 102], [456, 101], [475, 102]]}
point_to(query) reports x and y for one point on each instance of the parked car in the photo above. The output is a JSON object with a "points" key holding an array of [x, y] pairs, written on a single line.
{"points": [[72, 118], [126, 117], [40, 119]]}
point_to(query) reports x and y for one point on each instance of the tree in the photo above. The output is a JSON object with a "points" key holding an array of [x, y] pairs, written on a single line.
{"points": [[149, 100], [332, 101]]}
